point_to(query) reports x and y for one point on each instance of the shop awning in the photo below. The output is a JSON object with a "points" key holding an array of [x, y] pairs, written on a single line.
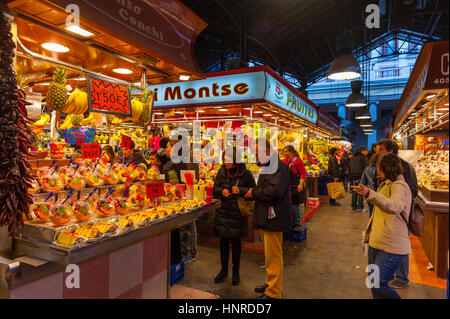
{"points": [[429, 76], [239, 86], [160, 35]]}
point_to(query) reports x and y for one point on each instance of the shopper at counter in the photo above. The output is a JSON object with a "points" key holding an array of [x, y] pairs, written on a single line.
{"points": [[357, 165], [333, 171], [232, 181], [273, 215], [369, 177], [387, 232], [345, 171], [389, 146], [155, 161], [297, 174], [132, 155]]}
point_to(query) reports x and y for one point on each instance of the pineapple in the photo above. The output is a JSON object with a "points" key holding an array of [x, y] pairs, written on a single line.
{"points": [[22, 81], [109, 119], [145, 116], [77, 119], [57, 92], [173, 177]]}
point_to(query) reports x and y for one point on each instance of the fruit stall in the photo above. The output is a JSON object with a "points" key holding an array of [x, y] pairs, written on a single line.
{"points": [[420, 125], [80, 87], [253, 101]]}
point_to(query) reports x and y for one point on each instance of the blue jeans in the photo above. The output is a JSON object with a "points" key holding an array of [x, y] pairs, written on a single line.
{"points": [[387, 264], [357, 200], [297, 214], [346, 180], [402, 272]]}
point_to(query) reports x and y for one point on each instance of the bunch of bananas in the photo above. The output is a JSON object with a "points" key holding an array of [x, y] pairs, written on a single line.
{"points": [[88, 120], [139, 138], [102, 139], [38, 126], [67, 124], [77, 103]]}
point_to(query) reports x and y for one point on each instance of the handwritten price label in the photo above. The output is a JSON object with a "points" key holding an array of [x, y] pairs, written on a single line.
{"points": [[126, 141], [108, 97], [155, 190], [91, 150]]}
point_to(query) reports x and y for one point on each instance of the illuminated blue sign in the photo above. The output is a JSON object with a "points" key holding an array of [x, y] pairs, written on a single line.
{"points": [[214, 90], [279, 95], [227, 89]]}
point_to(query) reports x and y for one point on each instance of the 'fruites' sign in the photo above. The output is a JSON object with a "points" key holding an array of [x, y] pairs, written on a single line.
{"points": [[235, 88]]}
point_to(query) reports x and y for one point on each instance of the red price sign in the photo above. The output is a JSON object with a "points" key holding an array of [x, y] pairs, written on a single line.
{"points": [[90, 150], [126, 141], [155, 190], [108, 97]]}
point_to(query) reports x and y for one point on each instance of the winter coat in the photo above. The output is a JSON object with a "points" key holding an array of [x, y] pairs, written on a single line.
{"points": [[387, 229], [357, 165], [272, 190], [229, 221], [344, 166], [333, 167], [369, 177]]}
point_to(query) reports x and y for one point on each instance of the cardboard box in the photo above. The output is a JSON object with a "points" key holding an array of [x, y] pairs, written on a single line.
{"points": [[312, 202]]}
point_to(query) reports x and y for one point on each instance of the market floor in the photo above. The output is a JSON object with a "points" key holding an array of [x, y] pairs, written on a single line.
{"points": [[329, 264]]}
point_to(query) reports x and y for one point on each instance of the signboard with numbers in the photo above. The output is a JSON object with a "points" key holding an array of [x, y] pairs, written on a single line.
{"points": [[91, 150], [438, 67], [155, 190], [126, 141], [108, 97]]}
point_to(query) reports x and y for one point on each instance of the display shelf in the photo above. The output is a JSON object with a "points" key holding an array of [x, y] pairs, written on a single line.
{"points": [[46, 251], [65, 191]]}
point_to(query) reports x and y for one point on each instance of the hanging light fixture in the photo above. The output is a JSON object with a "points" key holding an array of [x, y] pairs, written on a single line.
{"points": [[366, 123], [363, 114], [345, 66], [356, 98]]}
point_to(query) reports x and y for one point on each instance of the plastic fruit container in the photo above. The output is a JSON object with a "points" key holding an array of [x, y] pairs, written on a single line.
{"points": [[60, 214], [52, 183], [40, 211], [76, 182], [93, 180], [35, 188], [83, 212], [111, 178], [105, 207], [121, 206]]}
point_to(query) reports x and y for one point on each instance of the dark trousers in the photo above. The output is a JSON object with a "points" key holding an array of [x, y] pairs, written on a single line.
{"points": [[345, 180], [357, 200], [236, 248], [386, 264]]}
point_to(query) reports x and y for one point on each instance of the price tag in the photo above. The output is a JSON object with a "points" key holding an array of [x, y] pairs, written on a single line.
{"points": [[108, 97], [155, 190], [126, 141], [91, 150]]}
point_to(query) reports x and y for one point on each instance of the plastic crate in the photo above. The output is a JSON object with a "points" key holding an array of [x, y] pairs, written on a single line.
{"points": [[295, 236], [176, 272]]}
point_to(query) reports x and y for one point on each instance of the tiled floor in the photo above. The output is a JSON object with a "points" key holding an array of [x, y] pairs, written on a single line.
{"points": [[182, 292], [330, 264]]}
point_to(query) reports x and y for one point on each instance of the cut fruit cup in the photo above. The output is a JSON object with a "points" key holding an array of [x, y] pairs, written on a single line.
{"points": [[60, 214]]}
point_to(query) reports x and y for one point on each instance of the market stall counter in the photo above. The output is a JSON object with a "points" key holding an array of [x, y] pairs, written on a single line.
{"points": [[130, 264]]}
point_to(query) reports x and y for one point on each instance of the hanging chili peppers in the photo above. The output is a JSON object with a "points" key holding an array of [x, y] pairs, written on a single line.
{"points": [[15, 136]]}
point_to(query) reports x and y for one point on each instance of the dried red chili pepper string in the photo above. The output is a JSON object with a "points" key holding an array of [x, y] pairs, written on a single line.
{"points": [[15, 136]]}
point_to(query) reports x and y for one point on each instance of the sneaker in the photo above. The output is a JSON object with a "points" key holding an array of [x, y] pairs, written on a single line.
{"points": [[396, 284], [359, 210], [297, 228], [261, 288]]}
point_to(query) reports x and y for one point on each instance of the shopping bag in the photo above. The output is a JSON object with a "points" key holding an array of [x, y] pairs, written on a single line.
{"points": [[336, 190], [246, 206]]}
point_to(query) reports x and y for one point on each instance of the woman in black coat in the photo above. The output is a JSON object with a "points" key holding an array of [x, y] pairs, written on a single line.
{"points": [[232, 181]]}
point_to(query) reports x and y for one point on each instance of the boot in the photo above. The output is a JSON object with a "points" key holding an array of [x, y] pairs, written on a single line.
{"points": [[223, 273], [235, 278]]}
